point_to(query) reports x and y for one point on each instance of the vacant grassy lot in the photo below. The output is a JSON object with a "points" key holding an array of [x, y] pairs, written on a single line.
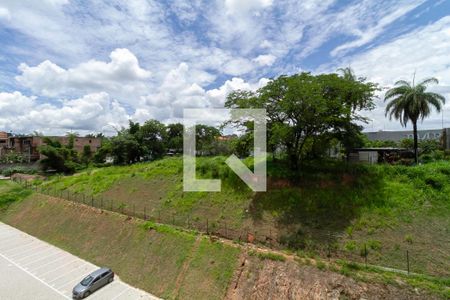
{"points": [[326, 209], [166, 262]]}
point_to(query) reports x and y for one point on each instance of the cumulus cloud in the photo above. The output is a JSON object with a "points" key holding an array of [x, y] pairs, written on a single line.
{"points": [[179, 90], [122, 77], [14, 103], [92, 112], [197, 51]]}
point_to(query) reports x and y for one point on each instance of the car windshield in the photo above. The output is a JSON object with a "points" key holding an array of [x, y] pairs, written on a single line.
{"points": [[87, 280]]}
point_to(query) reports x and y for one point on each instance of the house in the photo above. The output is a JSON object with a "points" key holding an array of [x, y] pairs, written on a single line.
{"points": [[28, 146]]}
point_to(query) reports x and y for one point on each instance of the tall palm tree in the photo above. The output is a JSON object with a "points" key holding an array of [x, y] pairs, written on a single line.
{"points": [[411, 102]]}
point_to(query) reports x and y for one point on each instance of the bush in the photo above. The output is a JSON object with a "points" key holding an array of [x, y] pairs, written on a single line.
{"points": [[426, 158], [435, 182], [18, 169], [13, 158], [268, 255]]}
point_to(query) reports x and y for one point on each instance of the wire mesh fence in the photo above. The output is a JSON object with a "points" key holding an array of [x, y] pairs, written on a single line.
{"points": [[220, 228]]}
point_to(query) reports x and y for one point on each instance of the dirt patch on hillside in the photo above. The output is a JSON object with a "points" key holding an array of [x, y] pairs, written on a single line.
{"points": [[267, 279]]}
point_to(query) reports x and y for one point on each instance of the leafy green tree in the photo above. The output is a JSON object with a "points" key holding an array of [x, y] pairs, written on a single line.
{"points": [[135, 143], [411, 102], [125, 148], [61, 158], [347, 73], [243, 145], [175, 137], [104, 151], [305, 108], [152, 137], [86, 155], [205, 136]]}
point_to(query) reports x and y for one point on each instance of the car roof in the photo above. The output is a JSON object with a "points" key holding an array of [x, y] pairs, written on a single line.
{"points": [[100, 271]]}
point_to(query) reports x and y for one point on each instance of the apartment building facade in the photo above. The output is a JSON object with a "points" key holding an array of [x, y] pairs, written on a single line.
{"points": [[28, 146]]}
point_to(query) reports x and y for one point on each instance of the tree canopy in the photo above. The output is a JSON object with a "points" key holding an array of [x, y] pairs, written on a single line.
{"points": [[305, 109]]}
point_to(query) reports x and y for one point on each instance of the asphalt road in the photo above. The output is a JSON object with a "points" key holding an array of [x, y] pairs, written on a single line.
{"points": [[33, 269]]}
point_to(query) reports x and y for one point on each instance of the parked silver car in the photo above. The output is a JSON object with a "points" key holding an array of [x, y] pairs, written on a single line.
{"points": [[92, 282]]}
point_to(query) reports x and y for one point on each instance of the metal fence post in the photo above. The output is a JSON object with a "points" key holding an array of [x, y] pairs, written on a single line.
{"points": [[92, 200], [226, 230], [407, 260], [365, 254], [207, 226]]}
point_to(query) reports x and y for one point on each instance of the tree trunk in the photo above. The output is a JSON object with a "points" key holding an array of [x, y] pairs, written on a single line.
{"points": [[416, 146]]}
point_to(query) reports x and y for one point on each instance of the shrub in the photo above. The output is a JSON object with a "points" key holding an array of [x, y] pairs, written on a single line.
{"points": [[374, 244], [268, 255], [434, 181], [18, 169], [409, 239], [350, 246], [321, 265], [426, 158], [13, 158]]}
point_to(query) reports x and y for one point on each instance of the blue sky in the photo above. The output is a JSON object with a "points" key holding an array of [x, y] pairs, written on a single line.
{"points": [[92, 65]]}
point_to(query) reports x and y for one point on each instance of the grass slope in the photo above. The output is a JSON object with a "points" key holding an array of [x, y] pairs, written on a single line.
{"points": [[11, 192], [158, 259], [336, 209], [177, 264]]}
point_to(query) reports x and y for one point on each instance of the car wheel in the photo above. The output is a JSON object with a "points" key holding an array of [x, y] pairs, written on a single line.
{"points": [[86, 294], [110, 280]]}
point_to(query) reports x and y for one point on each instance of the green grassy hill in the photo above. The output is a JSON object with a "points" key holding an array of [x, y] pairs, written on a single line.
{"points": [[332, 210], [166, 262], [177, 264]]}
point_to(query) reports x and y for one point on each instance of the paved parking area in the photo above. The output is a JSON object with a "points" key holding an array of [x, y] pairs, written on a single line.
{"points": [[33, 269]]}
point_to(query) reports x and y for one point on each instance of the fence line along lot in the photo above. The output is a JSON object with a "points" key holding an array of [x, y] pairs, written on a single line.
{"points": [[33, 269]]}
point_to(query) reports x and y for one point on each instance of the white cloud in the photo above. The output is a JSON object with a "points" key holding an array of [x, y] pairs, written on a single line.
{"points": [[4, 13], [361, 21], [424, 51], [265, 60], [371, 32], [121, 77], [93, 112], [14, 103], [242, 7], [179, 91], [189, 46]]}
